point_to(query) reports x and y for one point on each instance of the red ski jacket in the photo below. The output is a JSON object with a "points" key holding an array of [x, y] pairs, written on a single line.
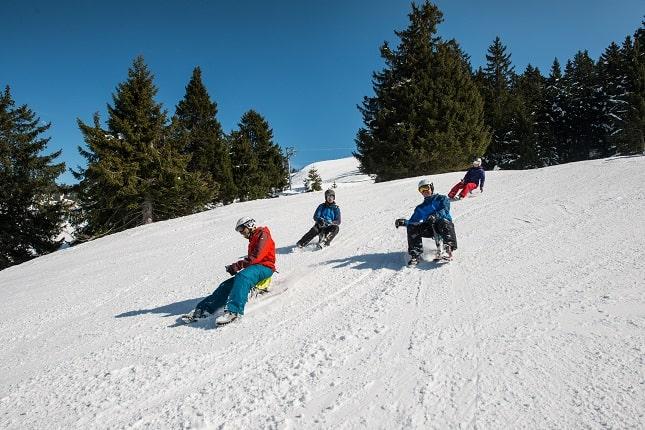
{"points": [[261, 250]]}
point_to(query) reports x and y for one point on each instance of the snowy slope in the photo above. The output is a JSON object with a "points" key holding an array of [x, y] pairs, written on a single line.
{"points": [[538, 323]]}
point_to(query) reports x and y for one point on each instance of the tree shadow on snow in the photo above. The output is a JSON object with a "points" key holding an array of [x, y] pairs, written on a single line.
{"points": [[383, 260]]}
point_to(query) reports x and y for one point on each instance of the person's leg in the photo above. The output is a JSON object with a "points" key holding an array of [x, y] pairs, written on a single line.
{"points": [[467, 189], [313, 232], [416, 233], [243, 282], [217, 299], [415, 242], [330, 233], [447, 231], [455, 189]]}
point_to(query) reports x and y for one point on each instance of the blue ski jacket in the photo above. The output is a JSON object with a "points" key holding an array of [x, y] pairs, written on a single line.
{"points": [[475, 175], [435, 204], [328, 213]]}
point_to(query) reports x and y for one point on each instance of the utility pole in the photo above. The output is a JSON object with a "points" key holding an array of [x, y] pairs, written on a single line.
{"points": [[289, 152]]}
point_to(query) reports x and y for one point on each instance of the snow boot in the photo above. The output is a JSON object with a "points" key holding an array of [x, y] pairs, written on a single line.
{"points": [[226, 317], [194, 316], [448, 252], [413, 261]]}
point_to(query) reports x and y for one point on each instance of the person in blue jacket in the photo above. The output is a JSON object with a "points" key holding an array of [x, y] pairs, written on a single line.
{"points": [[327, 221], [430, 219]]}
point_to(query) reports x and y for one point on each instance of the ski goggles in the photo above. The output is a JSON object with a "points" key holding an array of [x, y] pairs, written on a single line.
{"points": [[424, 188]]}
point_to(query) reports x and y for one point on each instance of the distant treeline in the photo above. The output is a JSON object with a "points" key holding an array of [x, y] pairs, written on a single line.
{"points": [[432, 113]]}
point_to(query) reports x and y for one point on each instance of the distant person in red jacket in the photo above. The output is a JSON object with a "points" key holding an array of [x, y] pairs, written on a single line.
{"points": [[474, 178], [258, 265]]}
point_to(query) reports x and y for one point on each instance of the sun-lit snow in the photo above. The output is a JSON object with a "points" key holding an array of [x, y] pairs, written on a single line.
{"points": [[538, 323]]}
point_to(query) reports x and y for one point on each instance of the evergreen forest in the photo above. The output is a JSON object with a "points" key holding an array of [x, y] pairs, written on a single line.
{"points": [[430, 112]]}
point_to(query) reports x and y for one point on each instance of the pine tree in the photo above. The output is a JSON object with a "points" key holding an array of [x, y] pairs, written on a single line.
{"points": [[313, 182], [528, 91], [613, 92], [196, 126], [583, 124], [30, 213], [135, 174], [426, 115], [273, 174], [634, 132], [246, 172], [550, 117], [501, 108]]}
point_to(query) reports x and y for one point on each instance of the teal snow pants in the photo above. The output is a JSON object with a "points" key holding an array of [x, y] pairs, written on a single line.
{"points": [[234, 292]]}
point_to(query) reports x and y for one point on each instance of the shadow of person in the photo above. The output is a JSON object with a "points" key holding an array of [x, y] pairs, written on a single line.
{"points": [[285, 249], [172, 309], [395, 260], [379, 260]]}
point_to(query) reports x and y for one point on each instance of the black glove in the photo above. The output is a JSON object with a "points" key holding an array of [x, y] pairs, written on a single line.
{"points": [[399, 222], [481, 189], [320, 222], [231, 270]]}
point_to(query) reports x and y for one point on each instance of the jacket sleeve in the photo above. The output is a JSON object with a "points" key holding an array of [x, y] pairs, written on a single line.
{"points": [[482, 179], [317, 212], [417, 216], [336, 216], [443, 208]]}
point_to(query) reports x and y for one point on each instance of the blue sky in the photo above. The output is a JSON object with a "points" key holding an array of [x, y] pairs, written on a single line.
{"points": [[303, 65]]}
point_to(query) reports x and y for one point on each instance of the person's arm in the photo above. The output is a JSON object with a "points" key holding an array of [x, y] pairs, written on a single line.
{"points": [[317, 213], [336, 219], [481, 181]]}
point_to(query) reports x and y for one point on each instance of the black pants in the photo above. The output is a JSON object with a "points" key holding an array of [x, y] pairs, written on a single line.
{"points": [[444, 228], [330, 233]]}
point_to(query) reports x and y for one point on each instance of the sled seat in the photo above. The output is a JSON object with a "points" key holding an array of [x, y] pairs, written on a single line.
{"points": [[264, 285]]}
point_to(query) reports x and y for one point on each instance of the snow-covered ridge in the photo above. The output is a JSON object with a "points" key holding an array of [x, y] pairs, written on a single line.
{"points": [[538, 323], [342, 171]]}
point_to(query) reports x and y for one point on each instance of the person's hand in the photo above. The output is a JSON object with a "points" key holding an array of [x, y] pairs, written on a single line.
{"points": [[481, 189], [399, 222], [230, 270], [320, 222]]}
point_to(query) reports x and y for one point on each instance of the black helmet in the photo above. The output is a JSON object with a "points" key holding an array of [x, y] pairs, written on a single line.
{"points": [[330, 192]]}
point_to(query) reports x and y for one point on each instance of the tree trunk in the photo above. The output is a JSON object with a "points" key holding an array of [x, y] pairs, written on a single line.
{"points": [[146, 211]]}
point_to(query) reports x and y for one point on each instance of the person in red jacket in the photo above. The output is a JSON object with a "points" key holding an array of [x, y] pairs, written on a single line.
{"points": [[475, 177], [233, 293]]}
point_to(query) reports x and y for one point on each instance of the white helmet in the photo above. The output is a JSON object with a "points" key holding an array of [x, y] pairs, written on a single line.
{"points": [[245, 221], [426, 183], [477, 162]]}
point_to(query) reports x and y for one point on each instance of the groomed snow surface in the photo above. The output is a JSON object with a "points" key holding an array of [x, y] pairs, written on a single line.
{"points": [[539, 322]]}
